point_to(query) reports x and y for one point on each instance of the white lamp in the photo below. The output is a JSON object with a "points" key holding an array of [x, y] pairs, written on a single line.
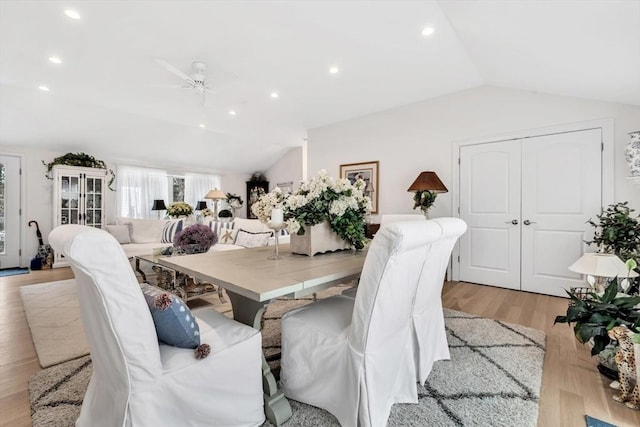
{"points": [[601, 266], [215, 195]]}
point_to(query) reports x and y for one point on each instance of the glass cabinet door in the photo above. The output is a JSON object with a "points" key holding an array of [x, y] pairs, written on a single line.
{"points": [[69, 199], [93, 206]]}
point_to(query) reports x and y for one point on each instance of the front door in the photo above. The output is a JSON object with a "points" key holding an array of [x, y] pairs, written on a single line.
{"points": [[9, 211]]}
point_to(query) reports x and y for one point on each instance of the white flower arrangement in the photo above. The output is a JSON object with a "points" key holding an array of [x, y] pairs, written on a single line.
{"points": [[324, 198], [265, 203]]}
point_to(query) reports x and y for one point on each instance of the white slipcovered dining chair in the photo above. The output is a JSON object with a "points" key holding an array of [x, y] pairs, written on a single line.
{"points": [[428, 320], [138, 381], [354, 357]]}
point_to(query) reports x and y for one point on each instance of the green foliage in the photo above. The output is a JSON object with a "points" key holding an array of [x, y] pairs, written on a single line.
{"points": [[424, 200], [617, 231], [79, 159], [596, 315]]}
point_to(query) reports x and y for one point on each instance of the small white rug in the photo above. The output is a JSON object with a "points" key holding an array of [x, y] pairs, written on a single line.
{"points": [[53, 314]]}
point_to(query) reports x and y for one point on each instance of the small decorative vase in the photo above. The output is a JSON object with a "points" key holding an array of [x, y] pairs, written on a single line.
{"points": [[632, 153], [317, 238]]}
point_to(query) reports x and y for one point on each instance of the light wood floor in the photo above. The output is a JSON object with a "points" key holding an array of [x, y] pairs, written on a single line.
{"points": [[571, 385]]}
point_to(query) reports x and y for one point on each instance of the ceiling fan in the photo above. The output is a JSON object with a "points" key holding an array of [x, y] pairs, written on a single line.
{"points": [[195, 81]]}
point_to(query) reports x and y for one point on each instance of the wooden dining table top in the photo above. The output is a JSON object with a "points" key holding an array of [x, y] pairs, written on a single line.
{"points": [[250, 273]]}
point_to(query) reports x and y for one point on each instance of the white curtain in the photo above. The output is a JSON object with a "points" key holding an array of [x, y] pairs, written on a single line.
{"points": [[197, 185], [138, 188]]}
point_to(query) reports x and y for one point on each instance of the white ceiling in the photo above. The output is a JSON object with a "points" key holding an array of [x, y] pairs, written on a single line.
{"points": [[110, 98]]}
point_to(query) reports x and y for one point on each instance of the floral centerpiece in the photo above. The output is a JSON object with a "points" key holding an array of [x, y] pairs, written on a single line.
{"points": [[196, 238], [178, 209], [323, 198], [268, 201]]}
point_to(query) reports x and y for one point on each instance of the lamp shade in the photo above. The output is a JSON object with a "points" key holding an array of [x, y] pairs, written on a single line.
{"points": [[215, 194], [158, 205], [601, 265], [428, 181], [201, 205]]}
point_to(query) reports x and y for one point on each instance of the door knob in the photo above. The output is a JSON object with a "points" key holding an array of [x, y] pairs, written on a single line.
{"points": [[514, 222], [527, 222]]}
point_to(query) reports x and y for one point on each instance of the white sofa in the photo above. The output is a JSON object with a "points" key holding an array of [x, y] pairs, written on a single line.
{"points": [[142, 236]]}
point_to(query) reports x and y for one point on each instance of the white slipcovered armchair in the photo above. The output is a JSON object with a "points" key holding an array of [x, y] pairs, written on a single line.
{"points": [[428, 322], [136, 380], [354, 358]]}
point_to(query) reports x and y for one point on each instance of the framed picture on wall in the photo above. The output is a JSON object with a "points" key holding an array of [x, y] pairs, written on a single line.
{"points": [[368, 172]]}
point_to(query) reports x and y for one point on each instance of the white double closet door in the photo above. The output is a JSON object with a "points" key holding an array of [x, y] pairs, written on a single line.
{"points": [[526, 203]]}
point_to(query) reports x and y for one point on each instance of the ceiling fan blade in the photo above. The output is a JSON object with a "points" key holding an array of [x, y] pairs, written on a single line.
{"points": [[209, 90], [175, 71]]}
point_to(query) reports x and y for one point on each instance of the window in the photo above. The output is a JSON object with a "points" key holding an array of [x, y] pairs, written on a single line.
{"points": [[139, 187]]}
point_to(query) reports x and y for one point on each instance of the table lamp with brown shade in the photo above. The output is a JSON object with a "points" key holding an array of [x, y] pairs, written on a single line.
{"points": [[215, 195], [426, 186]]}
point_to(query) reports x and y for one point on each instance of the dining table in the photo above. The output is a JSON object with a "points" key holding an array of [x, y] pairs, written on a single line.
{"points": [[252, 280]]}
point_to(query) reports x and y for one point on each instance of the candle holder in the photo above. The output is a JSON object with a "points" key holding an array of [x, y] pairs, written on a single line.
{"points": [[276, 227]]}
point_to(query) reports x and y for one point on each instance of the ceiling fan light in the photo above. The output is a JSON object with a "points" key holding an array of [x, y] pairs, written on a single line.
{"points": [[202, 125], [275, 95], [43, 88], [55, 60], [334, 70], [232, 112]]}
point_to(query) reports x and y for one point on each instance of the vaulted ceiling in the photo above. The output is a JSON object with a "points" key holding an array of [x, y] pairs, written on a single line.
{"points": [[111, 98]]}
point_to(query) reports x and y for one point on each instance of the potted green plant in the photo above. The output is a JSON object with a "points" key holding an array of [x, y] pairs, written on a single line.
{"points": [[618, 232], [594, 315]]}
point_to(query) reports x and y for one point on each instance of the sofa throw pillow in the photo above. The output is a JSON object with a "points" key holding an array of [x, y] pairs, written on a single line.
{"points": [[120, 232], [219, 228], [174, 322], [252, 240], [171, 228], [227, 236]]}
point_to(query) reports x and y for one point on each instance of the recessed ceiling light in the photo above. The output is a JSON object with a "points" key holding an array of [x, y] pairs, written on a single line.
{"points": [[55, 60], [201, 125], [43, 88], [72, 14], [427, 31], [334, 70], [232, 112], [275, 95]]}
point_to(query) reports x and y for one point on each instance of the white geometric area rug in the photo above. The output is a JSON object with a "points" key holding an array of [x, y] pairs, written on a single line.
{"points": [[493, 379]]}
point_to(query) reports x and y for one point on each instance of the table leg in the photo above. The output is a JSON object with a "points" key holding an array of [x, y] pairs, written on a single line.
{"points": [[276, 406]]}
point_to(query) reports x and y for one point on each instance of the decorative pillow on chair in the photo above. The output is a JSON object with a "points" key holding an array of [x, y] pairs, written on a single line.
{"points": [[171, 228], [120, 232], [252, 240], [174, 322]]}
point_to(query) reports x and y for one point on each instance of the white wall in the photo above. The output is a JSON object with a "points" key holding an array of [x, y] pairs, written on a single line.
{"points": [[237, 183], [419, 137], [288, 168]]}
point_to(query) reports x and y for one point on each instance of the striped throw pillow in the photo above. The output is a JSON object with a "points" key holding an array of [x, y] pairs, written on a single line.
{"points": [[171, 228]]}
